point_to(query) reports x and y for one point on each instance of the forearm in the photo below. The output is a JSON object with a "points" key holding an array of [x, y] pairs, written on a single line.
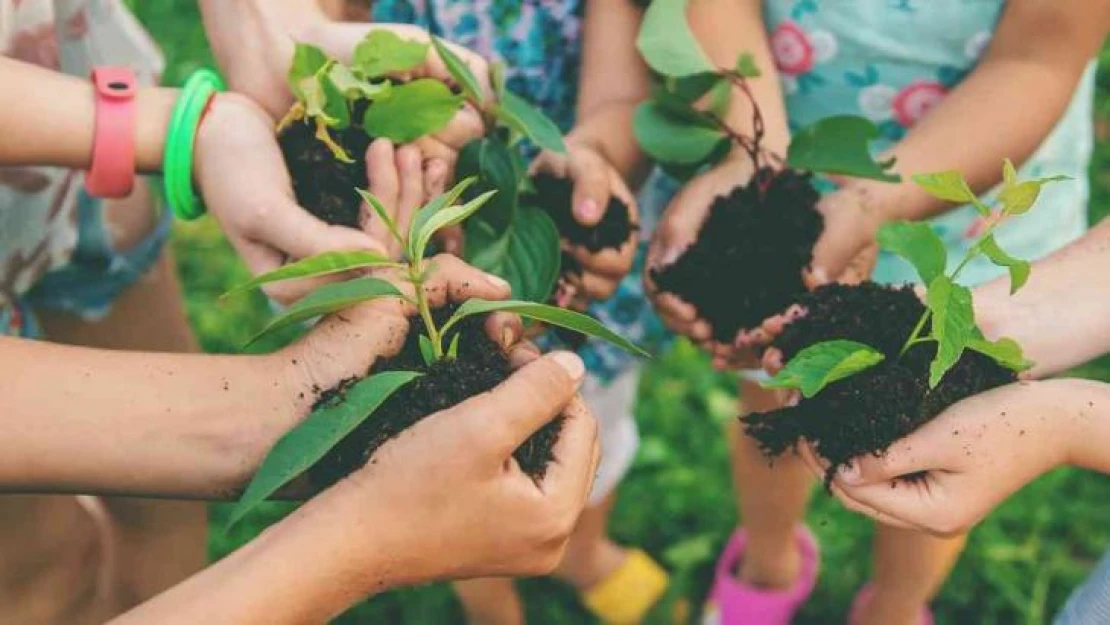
{"points": [[1092, 442], [1061, 317], [97, 421], [50, 119]]}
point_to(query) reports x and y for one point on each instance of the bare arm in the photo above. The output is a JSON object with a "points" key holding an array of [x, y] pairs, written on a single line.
{"points": [[1005, 108]]}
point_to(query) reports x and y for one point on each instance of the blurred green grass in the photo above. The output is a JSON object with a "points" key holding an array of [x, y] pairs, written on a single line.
{"points": [[677, 503]]}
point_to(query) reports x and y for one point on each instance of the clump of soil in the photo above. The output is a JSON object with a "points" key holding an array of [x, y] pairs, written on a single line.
{"points": [[867, 412], [481, 365], [554, 195], [324, 185], [747, 261]]}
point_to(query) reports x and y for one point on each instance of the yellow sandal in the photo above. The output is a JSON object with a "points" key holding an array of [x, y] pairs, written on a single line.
{"points": [[628, 593]]}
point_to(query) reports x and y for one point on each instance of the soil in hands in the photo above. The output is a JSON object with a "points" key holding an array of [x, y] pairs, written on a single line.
{"points": [[747, 261], [324, 185], [554, 195], [481, 365], [867, 412]]}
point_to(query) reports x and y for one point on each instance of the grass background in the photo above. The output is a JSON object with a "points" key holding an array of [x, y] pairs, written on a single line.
{"points": [[677, 503]]}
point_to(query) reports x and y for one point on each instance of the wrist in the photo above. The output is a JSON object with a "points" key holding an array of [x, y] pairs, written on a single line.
{"points": [[154, 108], [1087, 421]]}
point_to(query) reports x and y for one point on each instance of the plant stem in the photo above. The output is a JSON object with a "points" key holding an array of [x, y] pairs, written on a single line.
{"points": [[416, 273]]}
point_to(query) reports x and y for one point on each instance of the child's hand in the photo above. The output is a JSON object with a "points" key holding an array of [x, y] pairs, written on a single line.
{"points": [[846, 250], [403, 179], [595, 182], [677, 230], [966, 461]]}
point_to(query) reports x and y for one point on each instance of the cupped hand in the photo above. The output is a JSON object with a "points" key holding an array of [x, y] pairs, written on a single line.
{"points": [[403, 180], [595, 183], [949, 474], [846, 251]]}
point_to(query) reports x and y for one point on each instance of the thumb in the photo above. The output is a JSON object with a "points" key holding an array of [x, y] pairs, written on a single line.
{"points": [[591, 188], [295, 232], [903, 458]]}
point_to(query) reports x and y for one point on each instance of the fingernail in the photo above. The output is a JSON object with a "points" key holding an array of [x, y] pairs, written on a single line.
{"points": [[849, 473], [820, 275], [571, 363], [669, 256], [508, 337], [588, 210], [496, 281]]}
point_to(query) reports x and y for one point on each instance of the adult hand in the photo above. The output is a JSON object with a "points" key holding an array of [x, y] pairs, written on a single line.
{"points": [[949, 474], [595, 183], [677, 230]]}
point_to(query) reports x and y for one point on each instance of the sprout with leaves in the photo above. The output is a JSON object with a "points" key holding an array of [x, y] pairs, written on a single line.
{"points": [[948, 320], [330, 422]]}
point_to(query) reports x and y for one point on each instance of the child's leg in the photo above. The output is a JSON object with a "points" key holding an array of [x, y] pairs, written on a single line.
{"points": [[910, 568], [490, 601], [772, 499]]}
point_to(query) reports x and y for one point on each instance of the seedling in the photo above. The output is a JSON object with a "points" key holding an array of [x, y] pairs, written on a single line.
{"points": [[948, 320], [330, 422]]}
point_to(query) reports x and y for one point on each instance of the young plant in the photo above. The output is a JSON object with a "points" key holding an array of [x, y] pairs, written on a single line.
{"points": [[331, 421], [948, 320], [683, 125]]}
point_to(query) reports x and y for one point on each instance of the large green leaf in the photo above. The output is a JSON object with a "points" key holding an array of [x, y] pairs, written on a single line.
{"points": [[669, 139], [667, 43], [354, 87], [459, 70], [330, 298], [531, 122], [1019, 269], [950, 186], [308, 60], [839, 145], [953, 324], [821, 364], [450, 216], [313, 438], [429, 210], [493, 163], [314, 266], [1004, 351], [383, 52], [526, 254], [917, 243], [550, 315], [413, 110]]}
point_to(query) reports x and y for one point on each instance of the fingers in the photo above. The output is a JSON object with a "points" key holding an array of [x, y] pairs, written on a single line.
{"points": [[436, 173], [857, 506], [412, 185], [592, 182], [435, 150], [529, 399], [463, 128], [452, 280], [506, 329], [385, 184], [577, 453]]}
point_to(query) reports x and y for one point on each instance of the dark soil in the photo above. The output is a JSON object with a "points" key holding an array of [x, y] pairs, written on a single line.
{"points": [[481, 365], [747, 261], [323, 185], [553, 195], [867, 412]]}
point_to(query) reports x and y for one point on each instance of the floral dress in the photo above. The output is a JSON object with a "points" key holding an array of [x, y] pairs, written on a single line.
{"points": [[892, 61]]}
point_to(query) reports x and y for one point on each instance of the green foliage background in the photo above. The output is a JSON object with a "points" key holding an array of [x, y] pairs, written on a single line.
{"points": [[677, 503]]}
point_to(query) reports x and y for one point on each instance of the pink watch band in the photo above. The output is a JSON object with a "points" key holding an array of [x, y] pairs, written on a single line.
{"points": [[112, 173]]}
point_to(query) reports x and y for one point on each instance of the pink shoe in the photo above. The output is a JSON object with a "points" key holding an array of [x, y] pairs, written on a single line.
{"points": [[732, 602], [864, 595]]}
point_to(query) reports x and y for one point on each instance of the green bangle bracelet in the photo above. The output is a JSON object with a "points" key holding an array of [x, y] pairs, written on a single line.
{"points": [[177, 164]]}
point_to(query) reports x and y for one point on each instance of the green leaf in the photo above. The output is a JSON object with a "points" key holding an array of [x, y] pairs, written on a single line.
{"points": [[308, 60], [720, 98], [1017, 198], [1019, 269], [497, 79], [354, 87], [689, 89], [453, 350], [1004, 351], [525, 254], [383, 52], [950, 186], [953, 324], [413, 110], [336, 110], [746, 66], [429, 210], [666, 42], [1009, 173], [427, 350], [917, 243], [839, 145], [550, 315], [531, 122], [330, 298], [495, 166], [459, 70], [316, 99], [313, 438], [450, 216], [668, 139], [376, 205], [821, 364], [314, 266]]}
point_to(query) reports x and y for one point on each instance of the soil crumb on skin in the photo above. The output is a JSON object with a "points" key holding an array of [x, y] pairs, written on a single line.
{"points": [[481, 366], [554, 196], [747, 261], [867, 412], [322, 184]]}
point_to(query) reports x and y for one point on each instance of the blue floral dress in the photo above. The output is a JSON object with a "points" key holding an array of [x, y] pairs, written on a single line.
{"points": [[540, 42]]}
